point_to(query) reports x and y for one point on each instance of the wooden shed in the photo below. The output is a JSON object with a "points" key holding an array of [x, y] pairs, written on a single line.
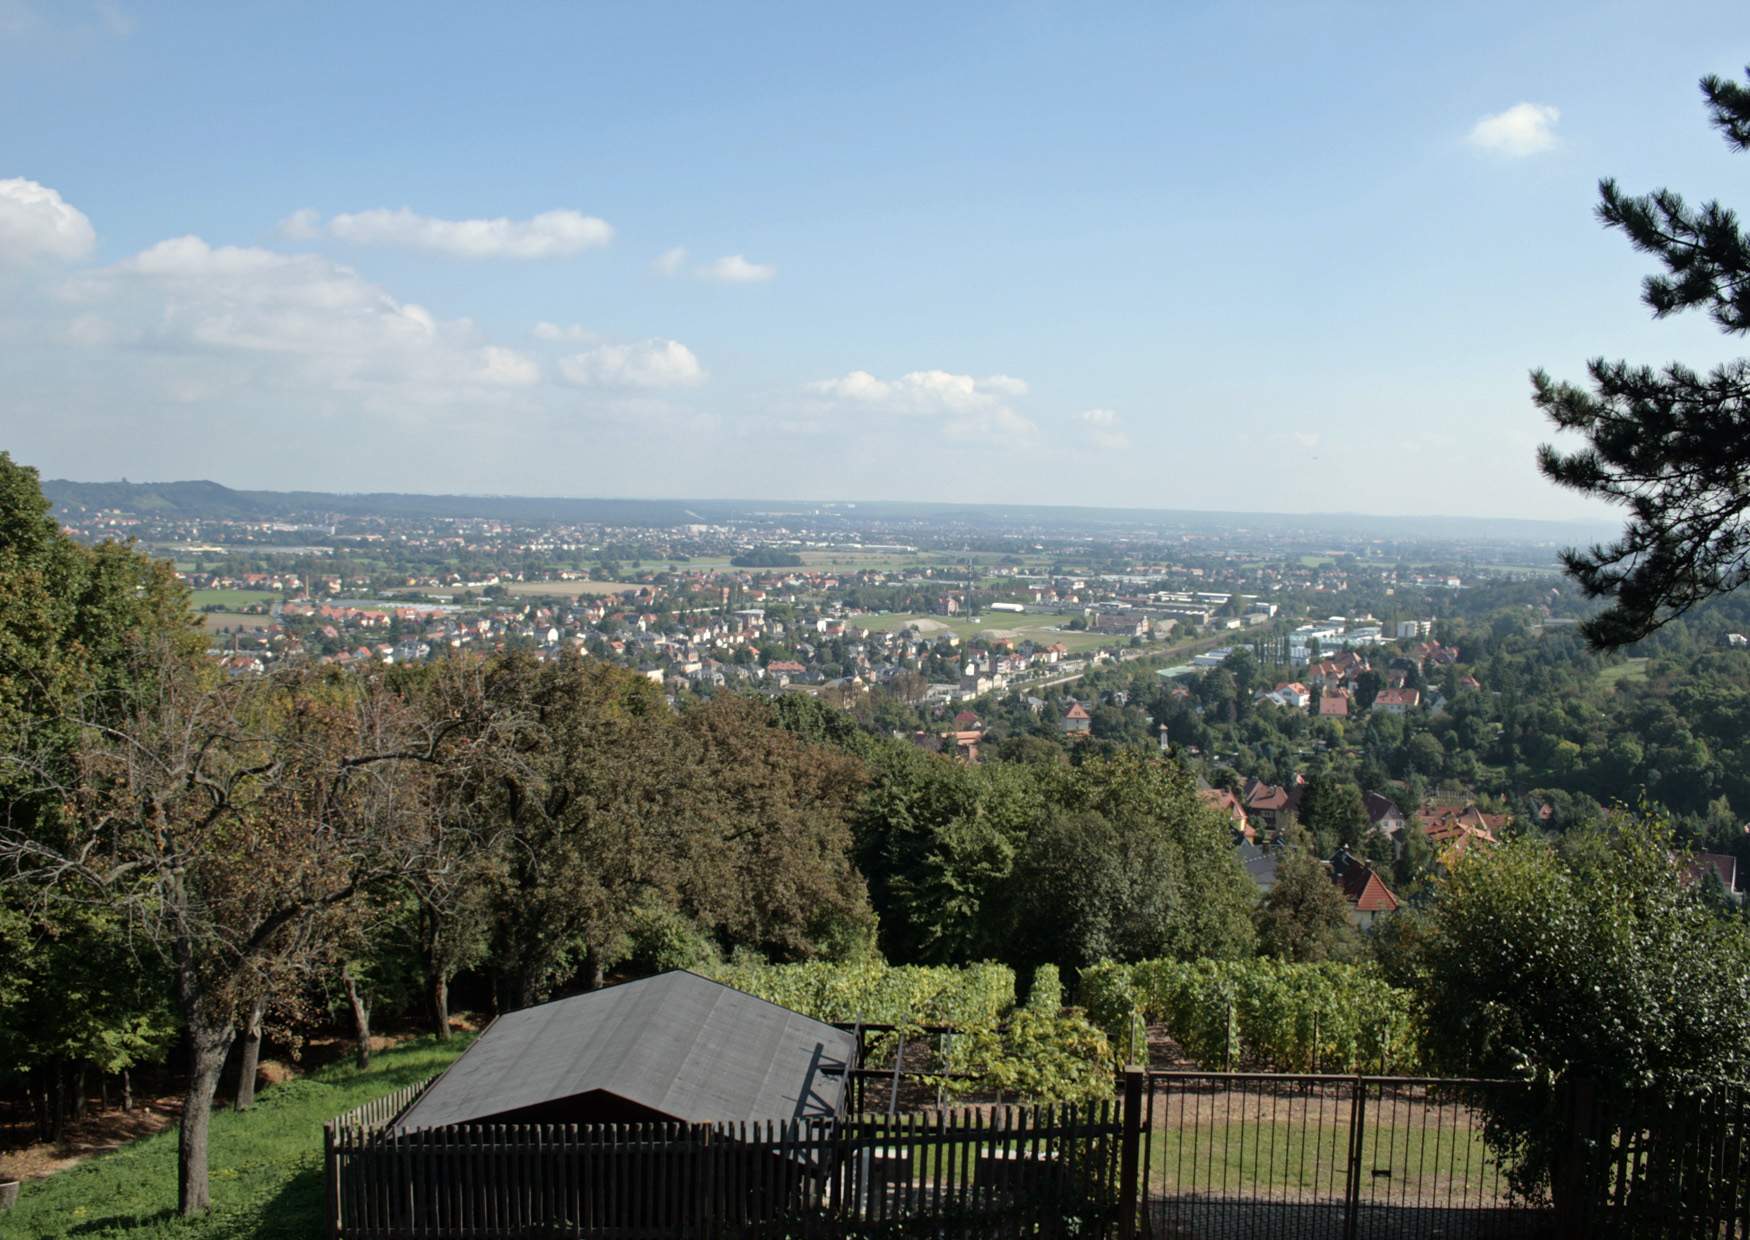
{"points": [[675, 1047]]}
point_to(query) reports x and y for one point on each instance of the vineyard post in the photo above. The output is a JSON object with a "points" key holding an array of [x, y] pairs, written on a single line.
{"points": [[1130, 1153]]}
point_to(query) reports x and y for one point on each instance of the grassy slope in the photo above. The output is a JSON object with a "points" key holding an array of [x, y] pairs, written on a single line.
{"points": [[266, 1164]]}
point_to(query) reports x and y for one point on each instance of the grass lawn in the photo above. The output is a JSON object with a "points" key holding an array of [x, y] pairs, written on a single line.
{"points": [[1627, 672], [266, 1164], [1289, 1160]]}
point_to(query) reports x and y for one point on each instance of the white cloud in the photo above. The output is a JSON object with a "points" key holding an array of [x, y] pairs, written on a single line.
{"points": [[562, 331], [670, 261], [646, 364], [36, 222], [552, 234], [304, 224], [1523, 129], [966, 407], [288, 321], [735, 269], [1101, 426]]}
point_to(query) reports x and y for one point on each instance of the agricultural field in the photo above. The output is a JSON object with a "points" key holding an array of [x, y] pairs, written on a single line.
{"points": [[225, 621], [231, 600], [568, 589], [845, 561]]}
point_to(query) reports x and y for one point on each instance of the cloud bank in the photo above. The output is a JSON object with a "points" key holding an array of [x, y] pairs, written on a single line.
{"points": [[964, 407]]}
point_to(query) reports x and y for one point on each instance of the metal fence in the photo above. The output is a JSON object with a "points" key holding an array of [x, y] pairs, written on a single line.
{"points": [[1242, 1155], [1644, 1165]]}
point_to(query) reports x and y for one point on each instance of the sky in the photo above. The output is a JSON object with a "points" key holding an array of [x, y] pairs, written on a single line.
{"points": [[1275, 256]]}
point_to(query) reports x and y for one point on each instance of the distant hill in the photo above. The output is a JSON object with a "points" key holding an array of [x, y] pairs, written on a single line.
{"points": [[189, 499], [210, 499]]}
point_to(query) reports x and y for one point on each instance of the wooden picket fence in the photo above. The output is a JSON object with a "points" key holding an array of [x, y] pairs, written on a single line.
{"points": [[1043, 1170]]}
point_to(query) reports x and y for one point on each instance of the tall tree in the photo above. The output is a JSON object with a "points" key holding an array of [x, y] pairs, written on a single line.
{"points": [[228, 822], [1305, 917], [590, 788], [1672, 446]]}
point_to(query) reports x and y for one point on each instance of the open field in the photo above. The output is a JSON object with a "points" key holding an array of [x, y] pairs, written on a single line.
{"points": [[569, 589], [221, 621], [845, 561], [1041, 627], [266, 1164], [231, 599], [1630, 671]]}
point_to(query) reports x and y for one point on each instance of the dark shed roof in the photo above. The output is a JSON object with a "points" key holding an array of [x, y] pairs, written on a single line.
{"points": [[679, 1045]]}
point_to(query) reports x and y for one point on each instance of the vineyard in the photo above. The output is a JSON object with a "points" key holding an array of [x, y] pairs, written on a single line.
{"points": [[1262, 1014], [1039, 1052], [875, 993], [1224, 1014]]}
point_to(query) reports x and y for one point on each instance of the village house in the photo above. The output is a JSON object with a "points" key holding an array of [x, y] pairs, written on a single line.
{"points": [[1364, 891], [1397, 701]]}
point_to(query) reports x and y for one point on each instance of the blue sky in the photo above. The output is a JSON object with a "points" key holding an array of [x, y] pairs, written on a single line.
{"points": [[1271, 256]]}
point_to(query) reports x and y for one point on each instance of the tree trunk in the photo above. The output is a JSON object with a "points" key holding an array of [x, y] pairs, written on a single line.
{"points": [[250, 1060], [361, 1018], [127, 1091], [193, 1190], [58, 1121], [595, 975], [440, 1006], [79, 1091]]}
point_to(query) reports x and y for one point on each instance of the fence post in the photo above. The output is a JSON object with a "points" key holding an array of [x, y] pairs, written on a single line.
{"points": [[1130, 1152], [331, 1182], [1357, 1130], [1571, 1183]]}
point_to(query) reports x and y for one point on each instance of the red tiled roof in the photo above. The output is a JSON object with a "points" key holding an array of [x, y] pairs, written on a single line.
{"points": [[1363, 888]]}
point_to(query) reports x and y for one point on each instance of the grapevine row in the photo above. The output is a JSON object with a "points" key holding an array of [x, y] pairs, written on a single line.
{"points": [[1263, 1014]]}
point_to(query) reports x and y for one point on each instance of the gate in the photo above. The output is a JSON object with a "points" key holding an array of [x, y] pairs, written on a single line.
{"points": [[1307, 1157]]}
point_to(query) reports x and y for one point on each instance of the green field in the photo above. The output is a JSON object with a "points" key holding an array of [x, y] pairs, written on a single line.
{"points": [[219, 621], [569, 589], [266, 1164], [231, 600], [1630, 671]]}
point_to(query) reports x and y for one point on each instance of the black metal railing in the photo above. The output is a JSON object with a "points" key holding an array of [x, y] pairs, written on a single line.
{"points": [[1326, 1158]]}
